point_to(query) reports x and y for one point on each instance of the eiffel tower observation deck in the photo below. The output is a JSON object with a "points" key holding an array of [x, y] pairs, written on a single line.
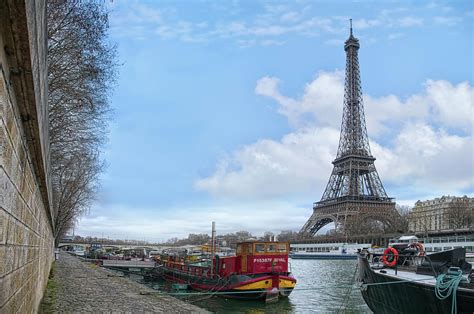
{"points": [[354, 194]]}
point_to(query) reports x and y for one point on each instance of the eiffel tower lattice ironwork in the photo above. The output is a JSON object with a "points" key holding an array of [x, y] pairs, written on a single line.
{"points": [[354, 188]]}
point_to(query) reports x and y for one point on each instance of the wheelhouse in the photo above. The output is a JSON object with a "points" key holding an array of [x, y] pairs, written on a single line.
{"points": [[262, 257]]}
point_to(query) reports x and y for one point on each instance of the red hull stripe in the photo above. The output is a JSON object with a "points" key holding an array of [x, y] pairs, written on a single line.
{"points": [[213, 286]]}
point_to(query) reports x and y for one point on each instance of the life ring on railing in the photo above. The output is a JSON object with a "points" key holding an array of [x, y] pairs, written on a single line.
{"points": [[419, 247], [393, 260]]}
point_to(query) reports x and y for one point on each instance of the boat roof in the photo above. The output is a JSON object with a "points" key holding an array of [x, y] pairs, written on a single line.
{"points": [[408, 238]]}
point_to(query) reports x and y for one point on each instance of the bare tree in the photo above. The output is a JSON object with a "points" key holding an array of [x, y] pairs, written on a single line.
{"points": [[81, 72], [289, 235], [460, 213], [268, 236], [402, 221]]}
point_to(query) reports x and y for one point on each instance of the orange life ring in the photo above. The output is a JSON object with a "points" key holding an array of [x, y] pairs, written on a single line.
{"points": [[390, 250], [419, 247]]}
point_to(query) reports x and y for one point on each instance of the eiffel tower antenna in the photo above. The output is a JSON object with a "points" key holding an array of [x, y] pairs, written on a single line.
{"points": [[354, 188]]}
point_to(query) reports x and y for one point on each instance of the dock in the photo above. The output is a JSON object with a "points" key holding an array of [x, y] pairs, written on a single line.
{"points": [[79, 286]]}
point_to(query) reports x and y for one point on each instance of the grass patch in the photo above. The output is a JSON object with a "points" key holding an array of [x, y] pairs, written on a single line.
{"points": [[49, 297]]}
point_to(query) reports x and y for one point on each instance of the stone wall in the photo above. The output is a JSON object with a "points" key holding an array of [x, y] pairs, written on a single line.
{"points": [[26, 237]]}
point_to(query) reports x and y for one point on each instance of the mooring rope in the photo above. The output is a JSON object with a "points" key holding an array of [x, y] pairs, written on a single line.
{"points": [[349, 290], [446, 285]]}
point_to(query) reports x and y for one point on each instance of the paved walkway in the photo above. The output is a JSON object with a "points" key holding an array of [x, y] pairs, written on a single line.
{"points": [[84, 287]]}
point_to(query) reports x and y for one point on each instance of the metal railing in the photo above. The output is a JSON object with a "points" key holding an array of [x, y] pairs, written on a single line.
{"points": [[375, 259]]}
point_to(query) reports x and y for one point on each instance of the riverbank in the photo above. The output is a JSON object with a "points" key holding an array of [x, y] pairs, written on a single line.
{"points": [[78, 286]]}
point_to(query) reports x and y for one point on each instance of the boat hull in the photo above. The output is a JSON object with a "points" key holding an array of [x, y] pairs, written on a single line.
{"points": [[248, 286], [406, 297]]}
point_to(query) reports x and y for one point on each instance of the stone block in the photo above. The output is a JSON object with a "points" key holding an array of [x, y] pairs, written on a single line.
{"points": [[3, 226], [5, 283], [7, 191], [3, 252]]}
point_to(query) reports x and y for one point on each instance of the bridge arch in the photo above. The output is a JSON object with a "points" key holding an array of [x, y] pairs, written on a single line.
{"points": [[371, 222], [321, 222]]}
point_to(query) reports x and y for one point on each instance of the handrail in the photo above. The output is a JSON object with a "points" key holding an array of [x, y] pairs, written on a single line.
{"points": [[435, 274]]}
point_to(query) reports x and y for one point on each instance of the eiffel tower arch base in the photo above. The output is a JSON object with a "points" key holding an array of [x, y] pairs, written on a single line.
{"points": [[354, 213]]}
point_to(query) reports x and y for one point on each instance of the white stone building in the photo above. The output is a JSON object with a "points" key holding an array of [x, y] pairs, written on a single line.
{"points": [[447, 213]]}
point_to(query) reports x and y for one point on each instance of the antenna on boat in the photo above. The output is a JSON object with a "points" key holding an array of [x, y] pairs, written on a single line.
{"points": [[213, 246]]}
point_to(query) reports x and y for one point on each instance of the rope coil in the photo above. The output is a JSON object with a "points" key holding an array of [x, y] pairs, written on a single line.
{"points": [[446, 285]]}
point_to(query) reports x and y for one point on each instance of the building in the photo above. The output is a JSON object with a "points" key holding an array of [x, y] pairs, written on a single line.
{"points": [[444, 214]]}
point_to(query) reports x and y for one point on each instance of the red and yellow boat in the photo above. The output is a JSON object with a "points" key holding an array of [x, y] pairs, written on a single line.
{"points": [[258, 271]]}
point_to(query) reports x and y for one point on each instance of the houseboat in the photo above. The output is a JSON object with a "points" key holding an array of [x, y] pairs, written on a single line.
{"points": [[333, 251], [404, 280], [259, 270]]}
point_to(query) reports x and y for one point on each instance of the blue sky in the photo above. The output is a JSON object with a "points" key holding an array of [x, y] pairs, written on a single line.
{"points": [[230, 110]]}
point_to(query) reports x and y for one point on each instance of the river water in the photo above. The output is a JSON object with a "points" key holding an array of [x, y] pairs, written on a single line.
{"points": [[323, 286]]}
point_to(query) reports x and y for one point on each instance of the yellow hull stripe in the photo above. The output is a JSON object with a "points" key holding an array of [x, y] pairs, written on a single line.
{"points": [[267, 284], [285, 283]]}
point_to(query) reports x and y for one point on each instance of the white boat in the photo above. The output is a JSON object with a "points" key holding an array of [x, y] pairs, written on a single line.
{"points": [[79, 252], [440, 244], [332, 251]]}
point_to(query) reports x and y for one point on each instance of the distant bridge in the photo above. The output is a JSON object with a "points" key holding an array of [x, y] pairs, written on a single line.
{"points": [[87, 245]]}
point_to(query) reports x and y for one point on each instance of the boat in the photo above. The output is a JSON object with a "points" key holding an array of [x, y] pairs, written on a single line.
{"points": [[326, 251], [259, 270], [404, 279], [441, 243]]}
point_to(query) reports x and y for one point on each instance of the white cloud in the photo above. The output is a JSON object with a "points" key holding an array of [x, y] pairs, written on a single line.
{"points": [[452, 105], [447, 20], [393, 36], [272, 22], [335, 42], [409, 21], [291, 16], [318, 102], [157, 224], [269, 169], [365, 23], [409, 138], [427, 159], [270, 42]]}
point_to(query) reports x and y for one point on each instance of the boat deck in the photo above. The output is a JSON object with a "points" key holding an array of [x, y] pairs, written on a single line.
{"points": [[407, 275]]}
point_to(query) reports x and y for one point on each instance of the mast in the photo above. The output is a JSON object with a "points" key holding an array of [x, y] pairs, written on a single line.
{"points": [[213, 247]]}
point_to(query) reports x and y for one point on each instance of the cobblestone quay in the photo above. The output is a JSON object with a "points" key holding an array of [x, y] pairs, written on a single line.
{"points": [[84, 287]]}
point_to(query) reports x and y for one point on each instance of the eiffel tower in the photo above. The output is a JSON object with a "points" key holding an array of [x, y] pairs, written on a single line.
{"points": [[354, 190]]}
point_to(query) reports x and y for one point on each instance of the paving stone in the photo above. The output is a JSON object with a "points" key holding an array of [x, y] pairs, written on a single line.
{"points": [[86, 288]]}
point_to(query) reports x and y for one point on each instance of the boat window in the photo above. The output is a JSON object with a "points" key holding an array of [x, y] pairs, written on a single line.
{"points": [[239, 249], [250, 248], [271, 247], [259, 248], [282, 247]]}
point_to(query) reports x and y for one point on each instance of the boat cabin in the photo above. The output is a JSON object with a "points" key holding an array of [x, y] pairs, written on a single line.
{"points": [[405, 239], [255, 257]]}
